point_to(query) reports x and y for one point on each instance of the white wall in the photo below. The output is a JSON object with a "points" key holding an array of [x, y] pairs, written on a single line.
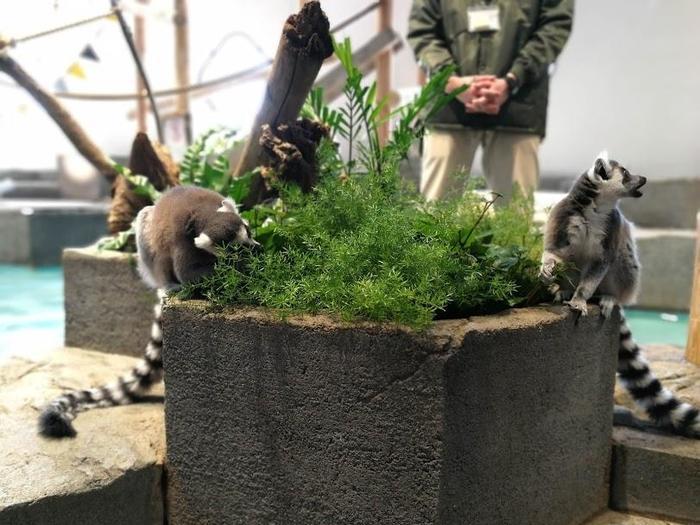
{"points": [[628, 81]]}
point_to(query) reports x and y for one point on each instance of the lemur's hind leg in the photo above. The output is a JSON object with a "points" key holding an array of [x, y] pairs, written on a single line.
{"points": [[591, 278], [607, 305]]}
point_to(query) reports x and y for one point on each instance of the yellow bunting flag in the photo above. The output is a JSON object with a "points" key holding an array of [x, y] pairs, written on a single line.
{"points": [[76, 70]]}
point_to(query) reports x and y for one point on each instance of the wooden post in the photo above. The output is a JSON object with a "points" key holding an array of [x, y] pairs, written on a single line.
{"points": [[182, 65], [692, 351], [140, 43], [87, 148], [304, 45], [384, 68]]}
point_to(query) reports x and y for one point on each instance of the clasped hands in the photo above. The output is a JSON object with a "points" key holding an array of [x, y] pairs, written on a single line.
{"points": [[485, 94]]}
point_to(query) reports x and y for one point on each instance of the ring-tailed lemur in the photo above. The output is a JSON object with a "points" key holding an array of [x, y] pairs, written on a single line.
{"points": [[176, 241], [592, 241]]}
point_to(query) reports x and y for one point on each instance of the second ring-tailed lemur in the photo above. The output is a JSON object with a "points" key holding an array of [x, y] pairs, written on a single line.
{"points": [[589, 240], [176, 240]]}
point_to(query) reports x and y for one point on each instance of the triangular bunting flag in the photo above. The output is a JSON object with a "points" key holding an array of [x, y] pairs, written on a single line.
{"points": [[60, 86], [89, 53], [76, 70]]}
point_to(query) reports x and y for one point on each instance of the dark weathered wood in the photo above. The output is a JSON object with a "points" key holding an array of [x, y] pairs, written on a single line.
{"points": [[148, 159], [304, 45], [364, 59], [289, 153], [70, 127]]}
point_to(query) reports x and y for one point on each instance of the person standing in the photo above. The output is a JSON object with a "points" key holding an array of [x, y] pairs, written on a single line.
{"points": [[502, 50]]}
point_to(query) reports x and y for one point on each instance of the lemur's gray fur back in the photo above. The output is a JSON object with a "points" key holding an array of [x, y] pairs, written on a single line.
{"points": [[589, 241], [176, 241]]}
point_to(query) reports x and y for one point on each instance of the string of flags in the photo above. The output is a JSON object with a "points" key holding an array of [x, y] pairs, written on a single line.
{"points": [[80, 67]]}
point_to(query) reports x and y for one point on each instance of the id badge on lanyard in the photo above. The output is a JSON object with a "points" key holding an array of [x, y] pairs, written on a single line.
{"points": [[483, 18]]}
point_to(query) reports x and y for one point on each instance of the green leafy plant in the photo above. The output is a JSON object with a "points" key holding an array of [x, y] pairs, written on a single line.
{"points": [[362, 246], [206, 161]]}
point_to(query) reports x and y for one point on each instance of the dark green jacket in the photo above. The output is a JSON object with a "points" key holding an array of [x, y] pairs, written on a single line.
{"points": [[532, 34]]}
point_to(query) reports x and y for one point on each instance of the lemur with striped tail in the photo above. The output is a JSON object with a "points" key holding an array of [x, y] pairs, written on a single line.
{"points": [[176, 242], [589, 241]]}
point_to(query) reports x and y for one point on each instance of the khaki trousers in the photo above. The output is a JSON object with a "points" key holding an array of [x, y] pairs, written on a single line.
{"points": [[507, 158]]}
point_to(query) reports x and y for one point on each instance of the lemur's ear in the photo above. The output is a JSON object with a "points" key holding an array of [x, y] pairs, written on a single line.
{"points": [[601, 165], [228, 205]]}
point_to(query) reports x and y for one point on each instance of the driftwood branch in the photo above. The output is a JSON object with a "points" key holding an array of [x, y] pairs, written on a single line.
{"points": [[87, 148], [289, 153], [154, 162], [304, 45]]}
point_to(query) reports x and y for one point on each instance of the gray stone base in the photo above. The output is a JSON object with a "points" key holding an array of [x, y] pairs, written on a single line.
{"points": [[657, 473], [667, 203], [109, 474], [36, 231], [667, 258], [108, 308], [501, 420]]}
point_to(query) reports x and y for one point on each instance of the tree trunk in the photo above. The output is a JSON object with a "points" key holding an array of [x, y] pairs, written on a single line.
{"points": [[154, 162], [304, 45], [88, 149]]}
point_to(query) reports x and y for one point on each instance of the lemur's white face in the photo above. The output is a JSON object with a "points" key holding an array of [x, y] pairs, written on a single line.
{"points": [[231, 228], [613, 180]]}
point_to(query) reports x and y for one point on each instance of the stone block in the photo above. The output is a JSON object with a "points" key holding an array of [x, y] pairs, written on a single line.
{"points": [[652, 472], [504, 419], [35, 231], [110, 474], [667, 268], [667, 203], [108, 308], [656, 474]]}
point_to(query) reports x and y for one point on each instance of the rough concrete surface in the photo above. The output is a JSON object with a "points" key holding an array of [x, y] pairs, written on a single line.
{"points": [[655, 472], [667, 258], [36, 231], [111, 473], [667, 203], [108, 308], [496, 420], [616, 518]]}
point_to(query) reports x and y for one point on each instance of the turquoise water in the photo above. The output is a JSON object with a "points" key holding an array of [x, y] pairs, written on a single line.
{"points": [[650, 326], [31, 314], [31, 310]]}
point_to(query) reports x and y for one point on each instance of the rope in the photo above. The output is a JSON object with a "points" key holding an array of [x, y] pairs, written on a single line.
{"points": [[139, 65], [354, 18], [12, 42]]}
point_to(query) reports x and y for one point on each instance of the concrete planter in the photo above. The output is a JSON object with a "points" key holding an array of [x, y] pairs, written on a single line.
{"points": [[492, 420], [108, 308]]}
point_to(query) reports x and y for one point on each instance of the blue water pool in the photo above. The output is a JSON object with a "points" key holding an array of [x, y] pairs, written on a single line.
{"points": [[31, 314], [31, 310]]}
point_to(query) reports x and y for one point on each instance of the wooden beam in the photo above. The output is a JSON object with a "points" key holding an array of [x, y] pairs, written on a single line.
{"points": [[333, 81], [182, 65], [692, 351], [383, 65], [140, 43]]}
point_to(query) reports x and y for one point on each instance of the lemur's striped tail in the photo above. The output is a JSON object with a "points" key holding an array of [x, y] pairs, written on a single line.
{"points": [[659, 403], [55, 420]]}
